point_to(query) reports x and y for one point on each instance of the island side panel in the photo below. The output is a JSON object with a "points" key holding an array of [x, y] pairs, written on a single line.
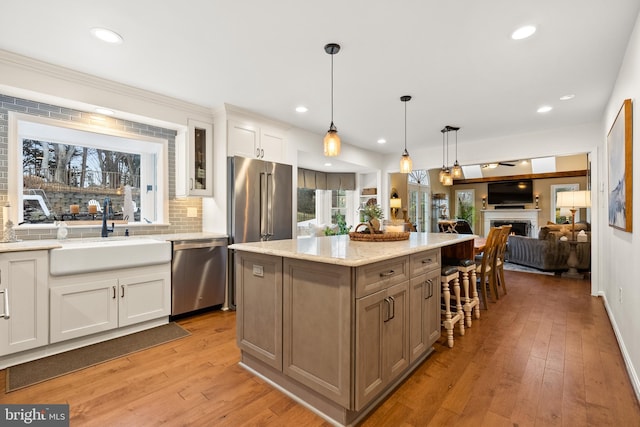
{"points": [[259, 306], [317, 312]]}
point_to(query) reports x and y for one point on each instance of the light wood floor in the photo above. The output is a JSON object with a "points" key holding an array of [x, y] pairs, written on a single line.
{"points": [[544, 355]]}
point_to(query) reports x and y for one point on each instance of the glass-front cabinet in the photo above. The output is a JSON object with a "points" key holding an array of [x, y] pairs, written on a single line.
{"points": [[199, 159]]}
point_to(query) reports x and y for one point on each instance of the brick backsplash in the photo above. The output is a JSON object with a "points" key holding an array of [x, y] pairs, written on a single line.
{"points": [[178, 219]]}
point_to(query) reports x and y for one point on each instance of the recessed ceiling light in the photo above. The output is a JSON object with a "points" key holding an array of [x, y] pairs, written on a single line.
{"points": [[301, 109], [545, 109], [382, 141], [567, 97], [104, 111], [107, 35], [327, 164], [523, 32]]}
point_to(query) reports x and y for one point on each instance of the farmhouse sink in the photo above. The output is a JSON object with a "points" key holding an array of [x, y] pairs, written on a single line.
{"points": [[88, 255]]}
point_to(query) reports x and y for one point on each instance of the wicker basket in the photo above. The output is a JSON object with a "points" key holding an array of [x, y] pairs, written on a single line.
{"points": [[378, 236]]}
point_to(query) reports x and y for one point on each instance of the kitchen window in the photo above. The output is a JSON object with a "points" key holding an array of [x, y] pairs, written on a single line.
{"points": [[64, 171]]}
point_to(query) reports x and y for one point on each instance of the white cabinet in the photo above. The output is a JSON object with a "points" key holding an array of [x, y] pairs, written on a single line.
{"points": [[84, 304], [194, 160], [255, 142], [23, 301]]}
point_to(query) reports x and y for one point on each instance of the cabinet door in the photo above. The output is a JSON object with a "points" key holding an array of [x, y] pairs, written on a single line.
{"points": [[243, 140], [259, 306], [371, 312], [396, 332], [144, 297], [423, 294], [272, 146], [432, 300], [23, 287], [317, 327], [200, 159], [382, 340], [83, 309]]}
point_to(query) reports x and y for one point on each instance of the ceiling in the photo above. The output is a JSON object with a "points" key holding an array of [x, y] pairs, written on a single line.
{"points": [[455, 58]]}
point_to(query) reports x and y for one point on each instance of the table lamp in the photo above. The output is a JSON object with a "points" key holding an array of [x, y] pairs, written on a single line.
{"points": [[395, 204], [573, 200]]}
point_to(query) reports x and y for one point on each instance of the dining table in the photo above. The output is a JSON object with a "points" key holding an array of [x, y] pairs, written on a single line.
{"points": [[478, 245]]}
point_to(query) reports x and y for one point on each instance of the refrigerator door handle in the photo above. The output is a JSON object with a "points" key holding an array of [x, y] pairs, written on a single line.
{"points": [[263, 206], [269, 206]]}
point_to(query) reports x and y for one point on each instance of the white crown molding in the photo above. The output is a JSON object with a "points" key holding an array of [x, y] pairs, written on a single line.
{"points": [[79, 78]]}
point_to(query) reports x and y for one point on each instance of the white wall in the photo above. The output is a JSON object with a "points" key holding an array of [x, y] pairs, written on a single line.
{"points": [[620, 251]]}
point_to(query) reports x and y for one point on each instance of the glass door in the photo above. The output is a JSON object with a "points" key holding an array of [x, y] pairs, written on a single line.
{"points": [[419, 212]]}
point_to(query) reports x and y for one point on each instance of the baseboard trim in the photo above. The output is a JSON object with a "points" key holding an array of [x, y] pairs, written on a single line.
{"points": [[633, 375]]}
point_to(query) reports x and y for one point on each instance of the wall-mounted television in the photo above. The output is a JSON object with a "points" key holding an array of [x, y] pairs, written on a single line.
{"points": [[510, 192]]}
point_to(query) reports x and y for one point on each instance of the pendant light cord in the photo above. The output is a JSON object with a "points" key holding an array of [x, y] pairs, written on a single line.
{"points": [[456, 146], [405, 126], [332, 88], [447, 161], [443, 148]]}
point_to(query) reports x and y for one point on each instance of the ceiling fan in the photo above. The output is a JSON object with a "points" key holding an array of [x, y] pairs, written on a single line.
{"points": [[495, 165]]}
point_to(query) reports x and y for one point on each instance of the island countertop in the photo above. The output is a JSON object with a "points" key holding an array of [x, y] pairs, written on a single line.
{"points": [[340, 250]]}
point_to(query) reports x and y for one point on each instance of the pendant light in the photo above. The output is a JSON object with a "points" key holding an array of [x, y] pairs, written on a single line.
{"points": [[406, 164], [444, 171], [456, 170], [445, 174], [331, 139]]}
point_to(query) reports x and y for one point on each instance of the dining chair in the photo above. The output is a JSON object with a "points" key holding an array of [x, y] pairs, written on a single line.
{"points": [[498, 261], [485, 271]]}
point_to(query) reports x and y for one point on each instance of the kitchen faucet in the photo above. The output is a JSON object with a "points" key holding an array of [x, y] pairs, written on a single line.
{"points": [[106, 211]]}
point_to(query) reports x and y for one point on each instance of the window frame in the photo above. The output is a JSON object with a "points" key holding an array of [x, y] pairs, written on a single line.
{"points": [[27, 126]]}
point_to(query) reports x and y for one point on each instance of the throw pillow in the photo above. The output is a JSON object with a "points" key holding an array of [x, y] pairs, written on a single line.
{"points": [[543, 233]]}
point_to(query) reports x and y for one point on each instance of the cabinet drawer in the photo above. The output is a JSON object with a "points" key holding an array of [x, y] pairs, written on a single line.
{"points": [[424, 262], [374, 277]]}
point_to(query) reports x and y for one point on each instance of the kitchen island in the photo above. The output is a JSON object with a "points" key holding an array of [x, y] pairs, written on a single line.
{"points": [[338, 324]]}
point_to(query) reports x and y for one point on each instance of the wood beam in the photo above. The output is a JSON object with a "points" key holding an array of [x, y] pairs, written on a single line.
{"points": [[564, 174]]}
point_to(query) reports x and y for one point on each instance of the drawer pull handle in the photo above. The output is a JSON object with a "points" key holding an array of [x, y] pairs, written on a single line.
{"points": [[427, 261], [387, 274], [393, 308], [5, 293], [429, 291]]}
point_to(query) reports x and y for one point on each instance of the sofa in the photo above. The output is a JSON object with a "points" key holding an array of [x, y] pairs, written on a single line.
{"points": [[549, 252]]}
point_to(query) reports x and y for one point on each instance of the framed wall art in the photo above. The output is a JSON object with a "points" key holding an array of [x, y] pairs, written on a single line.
{"points": [[620, 161]]}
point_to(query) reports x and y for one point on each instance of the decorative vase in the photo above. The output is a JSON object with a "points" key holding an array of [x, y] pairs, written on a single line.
{"points": [[374, 223]]}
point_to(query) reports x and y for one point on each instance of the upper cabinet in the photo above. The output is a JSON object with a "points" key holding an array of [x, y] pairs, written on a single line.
{"points": [[194, 160], [255, 142]]}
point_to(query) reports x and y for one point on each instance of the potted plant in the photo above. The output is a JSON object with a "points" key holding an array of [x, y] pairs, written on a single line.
{"points": [[372, 214]]}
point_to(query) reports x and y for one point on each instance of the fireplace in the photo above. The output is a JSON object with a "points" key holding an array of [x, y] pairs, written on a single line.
{"points": [[519, 228], [524, 221]]}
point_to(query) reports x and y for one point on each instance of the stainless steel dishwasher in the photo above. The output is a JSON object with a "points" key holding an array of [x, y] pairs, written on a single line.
{"points": [[198, 274]]}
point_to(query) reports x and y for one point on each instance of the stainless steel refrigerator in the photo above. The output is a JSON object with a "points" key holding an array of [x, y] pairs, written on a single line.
{"points": [[259, 206]]}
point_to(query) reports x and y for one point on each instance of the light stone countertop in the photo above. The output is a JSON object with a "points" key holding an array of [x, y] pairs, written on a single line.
{"points": [[340, 250], [46, 244], [29, 245], [188, 236]]}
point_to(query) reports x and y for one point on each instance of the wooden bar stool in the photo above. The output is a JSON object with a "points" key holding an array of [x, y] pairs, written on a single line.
{"points": [[449, 274], [467, 270]]}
